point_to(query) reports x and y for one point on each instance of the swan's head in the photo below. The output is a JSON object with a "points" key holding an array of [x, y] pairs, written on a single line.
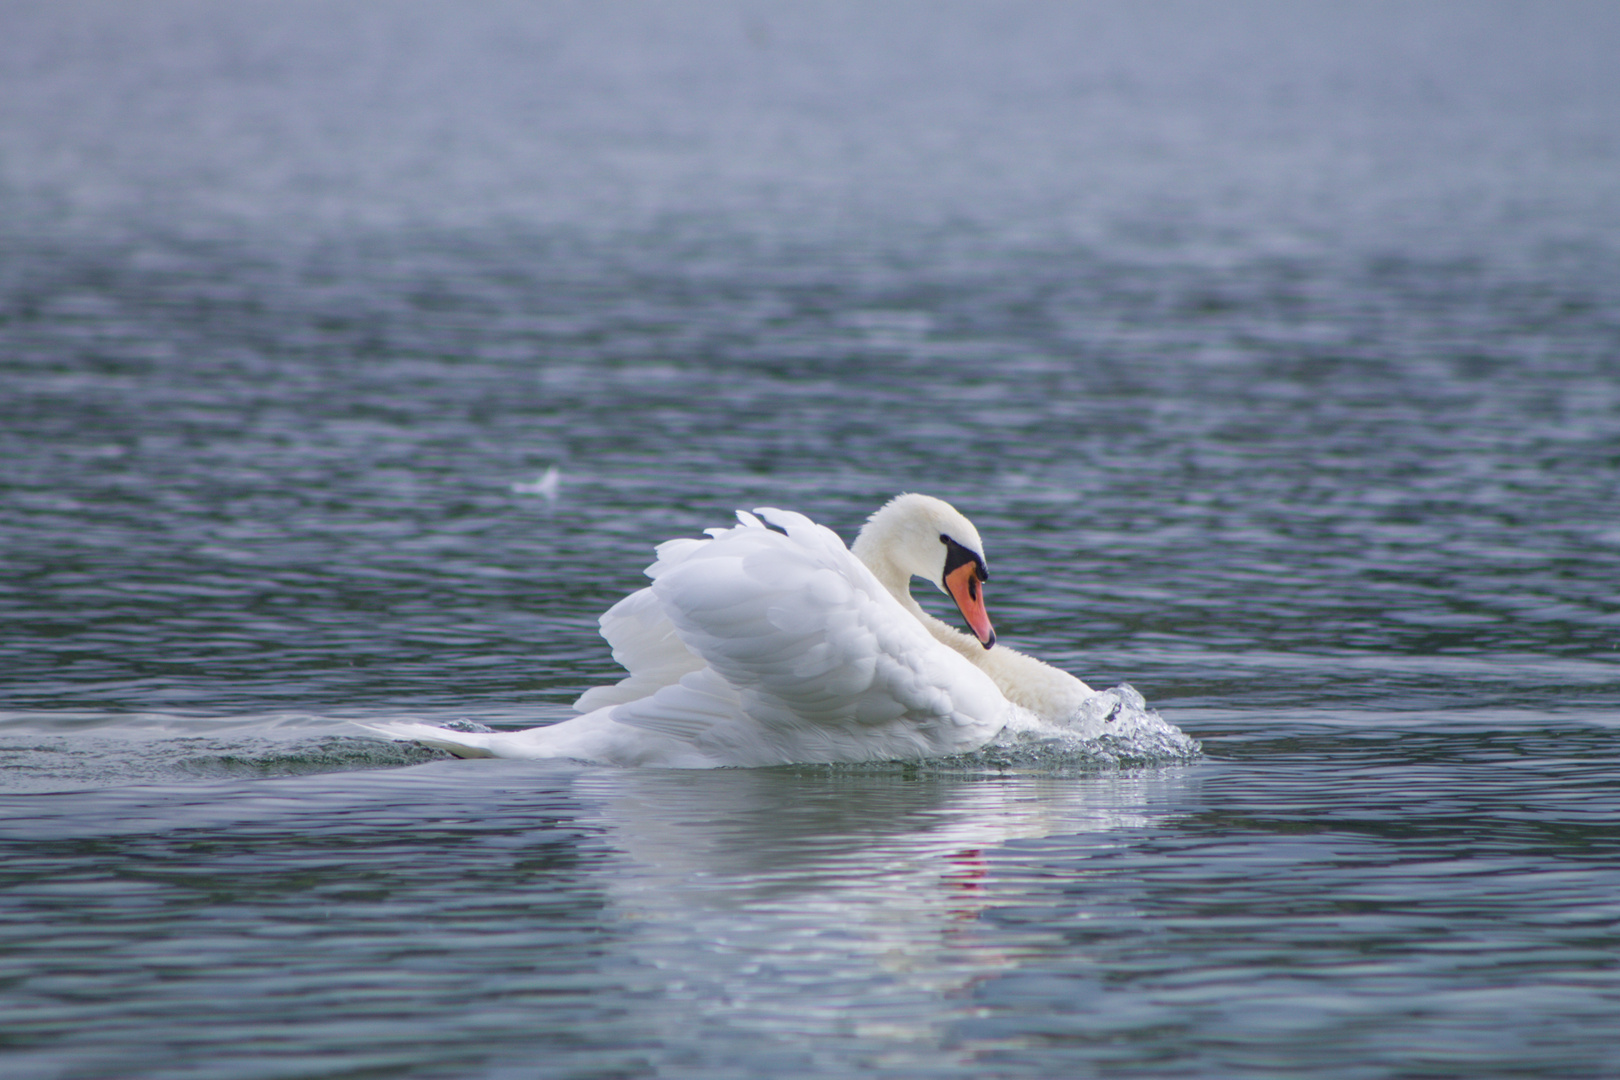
{"points": [[920, 536]]}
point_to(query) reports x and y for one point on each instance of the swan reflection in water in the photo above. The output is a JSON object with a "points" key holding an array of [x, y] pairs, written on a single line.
{"points": [[804, 903]]}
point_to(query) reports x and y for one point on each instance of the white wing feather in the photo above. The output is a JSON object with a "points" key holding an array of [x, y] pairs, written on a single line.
{"points": [[645, 644]]}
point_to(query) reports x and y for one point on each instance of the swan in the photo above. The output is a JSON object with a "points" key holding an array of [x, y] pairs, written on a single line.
{"points": [[771, 643]]}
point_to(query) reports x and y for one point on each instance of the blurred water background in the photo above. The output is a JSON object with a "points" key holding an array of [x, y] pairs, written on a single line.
{"points": [[1274, 348]]}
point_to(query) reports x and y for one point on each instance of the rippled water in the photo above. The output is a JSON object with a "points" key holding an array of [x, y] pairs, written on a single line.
{"points": [[1274, 349]]}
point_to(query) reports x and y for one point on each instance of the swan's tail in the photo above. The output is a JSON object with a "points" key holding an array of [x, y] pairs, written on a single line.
{"points": [[460, 743]]}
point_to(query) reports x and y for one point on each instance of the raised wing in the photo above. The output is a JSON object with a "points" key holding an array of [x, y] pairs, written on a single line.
{"points": [[804, 655]]}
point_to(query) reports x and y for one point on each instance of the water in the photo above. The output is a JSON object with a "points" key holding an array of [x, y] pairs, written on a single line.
{"points": [[1272, 348]]}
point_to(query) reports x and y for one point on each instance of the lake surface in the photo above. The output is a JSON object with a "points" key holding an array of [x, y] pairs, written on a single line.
{"points": [[1273, 348]]}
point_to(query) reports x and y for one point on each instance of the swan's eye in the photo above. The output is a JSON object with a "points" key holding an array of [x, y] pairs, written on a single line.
{"points": [[957, 554]]}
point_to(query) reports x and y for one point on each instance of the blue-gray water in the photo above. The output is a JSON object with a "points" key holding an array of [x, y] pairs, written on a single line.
{"points": [[1274, 349]]}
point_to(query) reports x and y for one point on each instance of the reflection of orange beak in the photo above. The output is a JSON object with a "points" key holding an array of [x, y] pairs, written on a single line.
{"points": [[965, 589]]}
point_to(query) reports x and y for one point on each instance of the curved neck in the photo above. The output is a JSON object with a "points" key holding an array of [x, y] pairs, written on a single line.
{"points": [[896, 580], [1049, 692], [875, 551]]}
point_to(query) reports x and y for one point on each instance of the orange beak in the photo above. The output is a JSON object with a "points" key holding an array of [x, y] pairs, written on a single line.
{"points": [[965, 588]]}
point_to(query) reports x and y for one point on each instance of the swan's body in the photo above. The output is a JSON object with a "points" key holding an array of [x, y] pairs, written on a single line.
{"points": [[771, 643]]}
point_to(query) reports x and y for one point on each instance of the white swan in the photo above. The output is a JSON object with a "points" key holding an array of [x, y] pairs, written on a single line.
{"points": [[772, 643]]}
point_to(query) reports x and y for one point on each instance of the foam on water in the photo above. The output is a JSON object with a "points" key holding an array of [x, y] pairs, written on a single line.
{"points": [[80, 752], [1115, 728]]}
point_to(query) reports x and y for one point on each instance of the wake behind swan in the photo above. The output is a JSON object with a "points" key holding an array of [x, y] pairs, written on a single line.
{"points": [[771, 643]]}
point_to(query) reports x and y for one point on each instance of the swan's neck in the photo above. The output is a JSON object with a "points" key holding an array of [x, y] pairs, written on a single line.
{"points": [[889, 573], [1044, 690], [895, 546]]}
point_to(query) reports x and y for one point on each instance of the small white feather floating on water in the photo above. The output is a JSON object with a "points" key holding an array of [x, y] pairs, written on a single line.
{"points": [[546, 487], [771, 643]]}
